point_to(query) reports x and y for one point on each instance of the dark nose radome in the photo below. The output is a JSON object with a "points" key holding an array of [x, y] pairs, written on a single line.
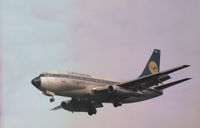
{"points": [[36, 82]]}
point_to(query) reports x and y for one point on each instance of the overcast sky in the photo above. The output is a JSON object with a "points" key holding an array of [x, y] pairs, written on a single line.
{"points": [[110, 38]]}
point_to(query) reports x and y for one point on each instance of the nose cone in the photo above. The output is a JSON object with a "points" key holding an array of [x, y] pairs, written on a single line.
{"points": [[36, 82]]}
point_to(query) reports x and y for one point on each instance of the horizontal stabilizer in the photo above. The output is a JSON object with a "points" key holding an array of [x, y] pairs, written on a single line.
{"points": [[164, 86], [174, 69], [145, 79]]}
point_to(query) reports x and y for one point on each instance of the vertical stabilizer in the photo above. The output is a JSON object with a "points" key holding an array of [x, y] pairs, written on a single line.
{"points": [[153, 65]]}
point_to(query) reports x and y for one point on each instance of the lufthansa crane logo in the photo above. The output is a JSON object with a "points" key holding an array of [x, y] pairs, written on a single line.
{"points": [[153, 67]]}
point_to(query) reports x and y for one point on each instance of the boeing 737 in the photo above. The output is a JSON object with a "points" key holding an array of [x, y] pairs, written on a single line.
{"points": [[89, 92]]}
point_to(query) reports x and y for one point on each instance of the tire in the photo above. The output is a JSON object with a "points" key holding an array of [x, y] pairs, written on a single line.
{"points": [[90, 112], [115, 105], [94, 111]]}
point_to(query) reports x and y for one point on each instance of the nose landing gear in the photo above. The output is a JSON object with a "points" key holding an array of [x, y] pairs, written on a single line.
{"points": [[49, 93], [52, 99]]}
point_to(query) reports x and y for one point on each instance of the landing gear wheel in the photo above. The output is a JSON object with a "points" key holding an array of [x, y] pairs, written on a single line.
{"points": [[116, 104], [52, 99], [92, 111]]}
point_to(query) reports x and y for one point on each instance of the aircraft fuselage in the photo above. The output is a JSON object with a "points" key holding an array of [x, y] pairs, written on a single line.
{"points": [[81, 87], [88, 92]]}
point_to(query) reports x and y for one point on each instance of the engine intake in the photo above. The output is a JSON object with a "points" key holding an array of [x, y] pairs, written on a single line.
{"points": [[111, 89], [63, 104]]}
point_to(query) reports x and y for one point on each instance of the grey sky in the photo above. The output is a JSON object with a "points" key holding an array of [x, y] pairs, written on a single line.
{"points": [[110, 38]]}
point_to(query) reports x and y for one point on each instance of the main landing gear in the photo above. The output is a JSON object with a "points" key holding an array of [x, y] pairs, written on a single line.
{"points": [[92, 111], [117, 104]]}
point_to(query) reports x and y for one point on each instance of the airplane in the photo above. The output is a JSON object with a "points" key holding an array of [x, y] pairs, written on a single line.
{"points": [[89, 92]]}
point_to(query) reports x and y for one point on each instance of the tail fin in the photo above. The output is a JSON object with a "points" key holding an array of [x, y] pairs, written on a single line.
{"points": [[153, 65]]}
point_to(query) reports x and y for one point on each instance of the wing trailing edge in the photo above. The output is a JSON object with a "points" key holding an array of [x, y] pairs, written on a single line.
{"points": [[164, 86]]}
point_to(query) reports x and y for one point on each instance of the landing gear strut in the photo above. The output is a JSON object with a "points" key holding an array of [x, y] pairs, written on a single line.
{"points": [[92, 111], [116, 104], [49, 93]]}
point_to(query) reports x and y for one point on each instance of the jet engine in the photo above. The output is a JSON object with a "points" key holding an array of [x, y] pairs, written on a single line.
{"points": [[113, 89], [65, 104], [80, 106], [74, 106]]}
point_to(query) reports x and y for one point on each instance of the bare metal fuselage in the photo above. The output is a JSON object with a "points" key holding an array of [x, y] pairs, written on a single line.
{"points": [[83, 89]]}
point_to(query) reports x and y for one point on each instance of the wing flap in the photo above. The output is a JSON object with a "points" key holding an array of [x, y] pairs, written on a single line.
{"points": [[171, 84]]}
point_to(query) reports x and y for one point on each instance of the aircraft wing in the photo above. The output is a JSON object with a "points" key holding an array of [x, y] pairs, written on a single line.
{"points": [[150, 80]]}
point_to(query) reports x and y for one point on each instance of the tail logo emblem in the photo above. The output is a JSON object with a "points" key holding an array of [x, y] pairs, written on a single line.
{"points": [[153, 67]]}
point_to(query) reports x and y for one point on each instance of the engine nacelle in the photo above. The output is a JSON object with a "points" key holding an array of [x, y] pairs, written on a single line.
{"points": [[74, 106], [113, 89], [117, 90], [79, 106], [65, 104]]}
